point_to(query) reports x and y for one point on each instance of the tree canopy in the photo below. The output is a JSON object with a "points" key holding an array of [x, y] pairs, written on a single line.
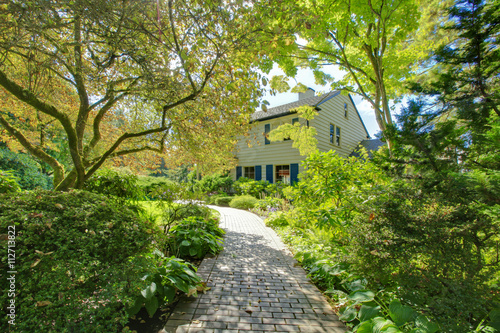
{"points": [[116, 80], [370, 41]]}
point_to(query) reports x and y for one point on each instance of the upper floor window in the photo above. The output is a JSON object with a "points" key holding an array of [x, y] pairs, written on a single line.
{"points": [[334, 134], [345, 110]]}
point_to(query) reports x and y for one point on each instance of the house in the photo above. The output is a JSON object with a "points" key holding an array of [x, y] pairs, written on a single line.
{"points": [[338, 124]]}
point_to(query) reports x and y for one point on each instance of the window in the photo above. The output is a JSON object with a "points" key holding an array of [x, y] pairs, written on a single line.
{"points": [[345, 110], [295, 120], [250, 172], [282, 174], [267, 129], [334, 135]]}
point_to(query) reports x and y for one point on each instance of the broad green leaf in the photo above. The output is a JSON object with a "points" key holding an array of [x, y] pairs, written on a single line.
{"points": [[495, 319], [362, 296], [169, 294], [149, 291], [152, 306], [365, 327], [185, 243], [401, 314], [136, 307], [383, 325], [349, 314], [422, 322], [193, 251], [367, 312]]}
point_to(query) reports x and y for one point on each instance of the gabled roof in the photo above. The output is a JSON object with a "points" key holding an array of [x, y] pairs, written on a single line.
{"points": [[369, 145], [285, 109]]}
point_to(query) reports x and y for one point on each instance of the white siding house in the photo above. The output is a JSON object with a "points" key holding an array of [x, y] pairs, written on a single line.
{"points": [[338, 124]]}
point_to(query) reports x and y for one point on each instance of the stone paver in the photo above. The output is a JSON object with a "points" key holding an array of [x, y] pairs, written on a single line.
{"points": [[255, 287]]}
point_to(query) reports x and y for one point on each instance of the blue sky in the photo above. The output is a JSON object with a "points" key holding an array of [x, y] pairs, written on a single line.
{"points": [[306, 77]]}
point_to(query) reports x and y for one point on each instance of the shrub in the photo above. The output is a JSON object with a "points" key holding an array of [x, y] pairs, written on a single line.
{"points": [[247, 186], [25, 168], [72, 260], [163, 278], [8, 182], [194, 237], [223, 201], [277, 219], [214, 183], [118, 184], [243, 202], [436, 252], [149, 184]]}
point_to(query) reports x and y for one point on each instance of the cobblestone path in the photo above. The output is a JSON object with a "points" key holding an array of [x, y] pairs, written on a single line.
{"points": [[255, 287]]}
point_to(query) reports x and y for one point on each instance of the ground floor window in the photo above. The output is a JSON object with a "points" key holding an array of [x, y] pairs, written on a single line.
{"points": [[249, 172], [283, 174]]}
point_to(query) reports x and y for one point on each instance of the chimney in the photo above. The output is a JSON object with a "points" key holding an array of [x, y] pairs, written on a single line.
{"points": [[309, 93]]}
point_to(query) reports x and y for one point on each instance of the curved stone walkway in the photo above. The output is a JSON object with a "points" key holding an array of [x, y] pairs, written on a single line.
{"points": [[256, 286]]}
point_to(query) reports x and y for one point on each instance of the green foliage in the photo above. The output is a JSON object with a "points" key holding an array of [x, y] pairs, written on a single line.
{"points": [[8, 182], [73, 264], [437, 247], [243, 202], [215, 183], [149, 184], [247, 186], [278, 219], [223, 201], [28, 172], [303, 137], [118, 184], [195, 238], [164, 277], [330, 189]]}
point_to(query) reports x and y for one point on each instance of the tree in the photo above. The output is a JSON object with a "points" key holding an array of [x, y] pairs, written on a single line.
{"points": [[121, 79], [371, 40], [464, 78]]}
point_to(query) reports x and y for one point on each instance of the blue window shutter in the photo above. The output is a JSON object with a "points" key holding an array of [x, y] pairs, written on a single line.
{"points": [[294, 173], [269, 173], [238, 172], [258, 172], [267, 129]]}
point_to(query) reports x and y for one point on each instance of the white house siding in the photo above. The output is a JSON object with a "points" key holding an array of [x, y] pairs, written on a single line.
{"points": [[352, 131], [275, 153], [282, 153]]}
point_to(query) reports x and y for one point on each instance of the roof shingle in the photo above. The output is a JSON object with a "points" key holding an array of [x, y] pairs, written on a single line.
{"points": [[285, 109]]}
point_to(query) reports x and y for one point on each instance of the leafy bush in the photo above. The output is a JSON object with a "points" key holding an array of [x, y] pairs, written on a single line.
{"points": [[243, 202], [149, 184], [164, 277], [436, 251], [223, 201], [247, 186], [72, 260], [215, 183], [118, 184], [8, 182], [277, 219], [25, 168], [194, 237]]}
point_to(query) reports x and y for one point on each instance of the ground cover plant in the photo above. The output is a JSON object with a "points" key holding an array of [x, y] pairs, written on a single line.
{"points": [[73, 254], [195, 237]]}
